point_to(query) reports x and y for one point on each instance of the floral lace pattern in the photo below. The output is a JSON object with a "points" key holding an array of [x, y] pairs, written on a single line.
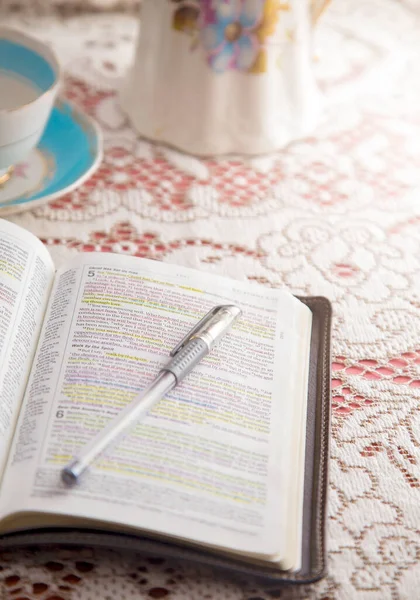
{"points": [[335, 214], [66, 7]]}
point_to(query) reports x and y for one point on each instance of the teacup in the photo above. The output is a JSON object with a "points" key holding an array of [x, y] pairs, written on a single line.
{"points": [[29, 78]]}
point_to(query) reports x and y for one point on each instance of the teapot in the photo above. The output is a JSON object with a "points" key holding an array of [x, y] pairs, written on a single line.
{"points": [[214, 77]]}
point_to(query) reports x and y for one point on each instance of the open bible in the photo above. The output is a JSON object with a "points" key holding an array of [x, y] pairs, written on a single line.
{"points": [[229, 468]]}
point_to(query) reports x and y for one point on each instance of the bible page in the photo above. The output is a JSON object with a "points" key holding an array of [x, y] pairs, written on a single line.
{"points": [[209, 463], [26, 274]]}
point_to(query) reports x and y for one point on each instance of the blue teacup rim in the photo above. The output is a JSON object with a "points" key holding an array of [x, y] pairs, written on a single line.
{"points": [[40, 56]]}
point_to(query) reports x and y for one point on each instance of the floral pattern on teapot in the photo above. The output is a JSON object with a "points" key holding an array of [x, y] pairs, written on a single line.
{"points": [[232, 33]]}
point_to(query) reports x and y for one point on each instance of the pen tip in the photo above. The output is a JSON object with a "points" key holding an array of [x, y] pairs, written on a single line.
{"points": [[68, 477]]}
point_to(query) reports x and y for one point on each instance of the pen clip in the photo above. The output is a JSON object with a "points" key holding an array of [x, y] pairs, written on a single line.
{"points": [[194, 330]]}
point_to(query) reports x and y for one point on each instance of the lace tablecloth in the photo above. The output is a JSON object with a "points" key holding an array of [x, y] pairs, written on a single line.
{"points": [[337, 214]]}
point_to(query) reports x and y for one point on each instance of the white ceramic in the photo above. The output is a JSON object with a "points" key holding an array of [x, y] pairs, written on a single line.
{"points": [[69, 151], [29, 79], [224, 76]]}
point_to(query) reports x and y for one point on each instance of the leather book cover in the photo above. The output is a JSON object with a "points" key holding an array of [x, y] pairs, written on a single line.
{"points": [[315, 488]]}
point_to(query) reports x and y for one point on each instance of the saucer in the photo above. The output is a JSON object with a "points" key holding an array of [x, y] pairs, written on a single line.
{"points": [[69, 151]]}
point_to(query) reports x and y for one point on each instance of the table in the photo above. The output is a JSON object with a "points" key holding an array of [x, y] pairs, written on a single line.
{"points": [[336, 214]]}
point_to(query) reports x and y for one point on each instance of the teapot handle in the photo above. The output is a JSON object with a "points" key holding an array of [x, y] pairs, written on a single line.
{"points": [[317, 8]]}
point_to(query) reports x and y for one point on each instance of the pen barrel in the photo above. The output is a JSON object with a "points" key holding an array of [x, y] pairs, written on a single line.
{"points": [[187, 358], [126, 419]]}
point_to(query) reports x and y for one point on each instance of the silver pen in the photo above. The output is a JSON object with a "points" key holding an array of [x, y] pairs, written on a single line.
{"points": [[184, 357]]}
